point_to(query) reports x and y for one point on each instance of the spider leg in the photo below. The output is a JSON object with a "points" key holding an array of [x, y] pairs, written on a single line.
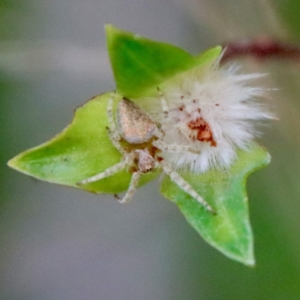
{"points": [[112, 131], [115, 141], [110, 114], [176, 148], [163, 101], [114, 134], [132, 187], [184, 185], [108, 172]]}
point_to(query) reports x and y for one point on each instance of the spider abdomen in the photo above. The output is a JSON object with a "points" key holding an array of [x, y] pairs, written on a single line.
{"points": [[134, 125]]}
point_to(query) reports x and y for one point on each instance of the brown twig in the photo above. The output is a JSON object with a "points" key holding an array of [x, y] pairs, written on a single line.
{"points": [[261, 49]]}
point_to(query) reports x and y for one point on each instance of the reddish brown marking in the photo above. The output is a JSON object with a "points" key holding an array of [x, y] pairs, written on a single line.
{"points": [[159, 158], [194, 100], [204, 133], [181, 97], [152, 151], [181, 108], [217, 104]]}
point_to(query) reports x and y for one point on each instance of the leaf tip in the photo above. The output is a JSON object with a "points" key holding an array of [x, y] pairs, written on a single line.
{"points": [[12, 163], [250, 261], [217, 49], [267, 158], [113, 32], [15, 163], [245, 257], [109, 28]]}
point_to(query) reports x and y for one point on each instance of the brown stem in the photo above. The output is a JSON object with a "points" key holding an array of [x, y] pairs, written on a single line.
{"points": [[261, 49]]}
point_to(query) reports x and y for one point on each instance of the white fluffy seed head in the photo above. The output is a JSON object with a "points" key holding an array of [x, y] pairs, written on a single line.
{"points": [[210, 109]]}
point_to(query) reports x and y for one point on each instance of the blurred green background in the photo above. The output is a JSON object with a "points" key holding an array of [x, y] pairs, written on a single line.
{"points": [[59, 243]]}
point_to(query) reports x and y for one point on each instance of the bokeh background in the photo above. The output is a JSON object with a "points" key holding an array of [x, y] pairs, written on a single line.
{"points": [[60, 243]]}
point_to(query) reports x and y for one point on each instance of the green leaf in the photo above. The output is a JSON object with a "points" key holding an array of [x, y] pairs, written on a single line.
{"points": [[229, 230], [140, 64], [81, 150]]}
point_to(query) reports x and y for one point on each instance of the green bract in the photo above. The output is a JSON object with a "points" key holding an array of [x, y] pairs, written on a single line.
{"points": [[140, 64], [230, 230], [83, 149]]}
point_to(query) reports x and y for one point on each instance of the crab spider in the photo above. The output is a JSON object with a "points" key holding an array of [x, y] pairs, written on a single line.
{"points": [[142, 134]]}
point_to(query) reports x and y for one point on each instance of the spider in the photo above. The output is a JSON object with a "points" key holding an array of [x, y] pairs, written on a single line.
{"points": [[135, 127]]}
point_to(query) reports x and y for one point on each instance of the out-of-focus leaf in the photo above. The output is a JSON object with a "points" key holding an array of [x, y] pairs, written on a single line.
{"points": [[289, 11]]}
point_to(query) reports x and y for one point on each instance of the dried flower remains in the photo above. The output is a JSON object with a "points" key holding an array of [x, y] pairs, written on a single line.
{"points": [[211, 109]]}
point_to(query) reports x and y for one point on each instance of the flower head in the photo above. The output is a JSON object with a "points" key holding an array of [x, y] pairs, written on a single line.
{"points": [[213, 110]]}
